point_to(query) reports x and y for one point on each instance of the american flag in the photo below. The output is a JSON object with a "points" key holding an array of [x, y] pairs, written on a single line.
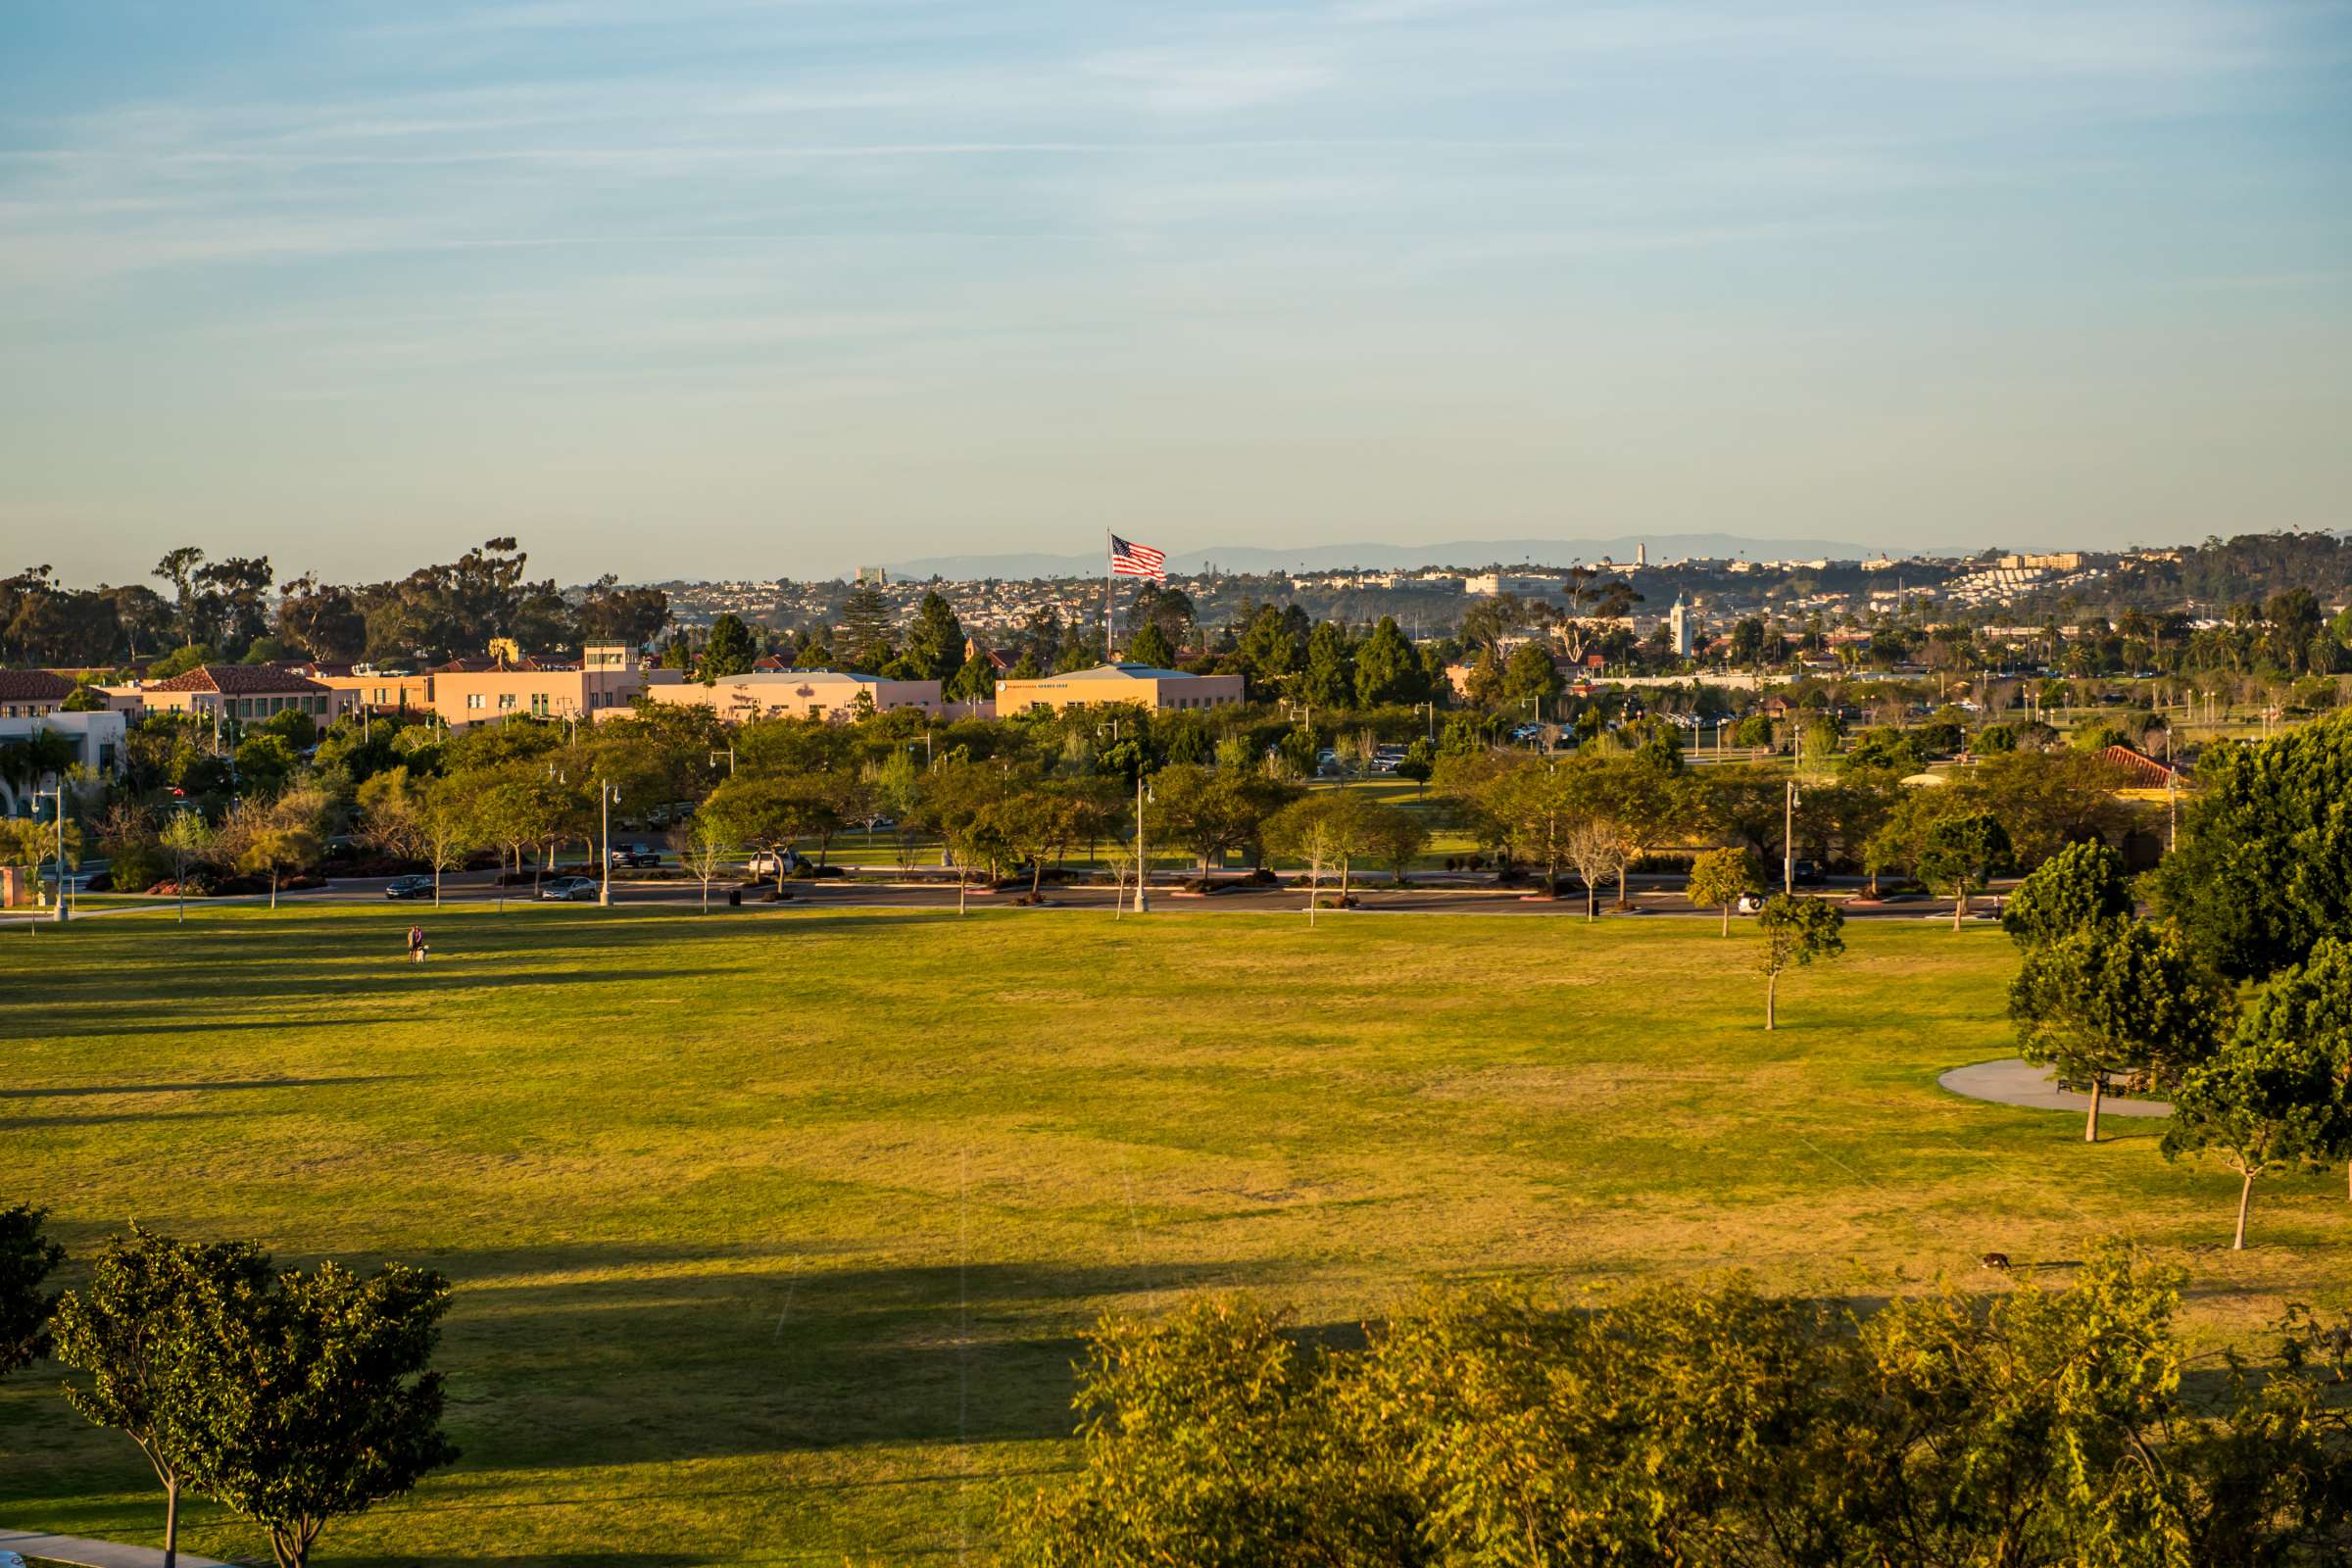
{"points": [[1137, 560]]}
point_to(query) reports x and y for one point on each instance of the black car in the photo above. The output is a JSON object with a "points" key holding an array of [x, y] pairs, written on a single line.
{"points": [[1808, 875], [408, 887], [636, 855]]}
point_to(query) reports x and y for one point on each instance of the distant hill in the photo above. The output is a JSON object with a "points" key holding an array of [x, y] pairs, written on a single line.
{"points": [[1663, 548]]}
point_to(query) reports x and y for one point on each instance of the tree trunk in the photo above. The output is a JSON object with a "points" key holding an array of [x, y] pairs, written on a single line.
{"points": [[1959, 907], [1037, 877], [272, 887], [2245, 1196], [705, 895], [1621, 900], [1727, 919], [1772, 984], [436, 884], [2091, 1128], [963, 883], [1314, 891], [172, 1524]]}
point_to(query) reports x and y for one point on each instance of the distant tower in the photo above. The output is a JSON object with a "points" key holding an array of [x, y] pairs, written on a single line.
{"points": [[1642, 554], [1678, 627]]}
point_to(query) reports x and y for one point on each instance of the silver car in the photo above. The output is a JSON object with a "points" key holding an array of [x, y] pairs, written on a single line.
{"points": [[568, 890]]}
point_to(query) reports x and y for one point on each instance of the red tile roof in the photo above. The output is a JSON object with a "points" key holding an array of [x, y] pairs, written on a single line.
{"points": [[239, 680], [2146, 773], [33, 686]]}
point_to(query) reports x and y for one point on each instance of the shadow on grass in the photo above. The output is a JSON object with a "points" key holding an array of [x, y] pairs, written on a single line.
{"points": [[219, 1086], [668, 1353], [539, 1559], [103, 1118]]}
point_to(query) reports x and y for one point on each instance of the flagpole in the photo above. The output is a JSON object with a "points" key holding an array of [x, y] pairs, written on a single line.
{"points": [[1107, 570]]}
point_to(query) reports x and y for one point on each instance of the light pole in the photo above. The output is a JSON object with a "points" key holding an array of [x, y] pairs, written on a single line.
{"points": [[1430, 708], [731, 758], [58, 793], [606, 796], [1788, 843], [1143, 866]]}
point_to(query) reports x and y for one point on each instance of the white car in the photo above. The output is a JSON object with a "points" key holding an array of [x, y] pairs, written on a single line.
{"points": [[1751, 904], [768, 862]]}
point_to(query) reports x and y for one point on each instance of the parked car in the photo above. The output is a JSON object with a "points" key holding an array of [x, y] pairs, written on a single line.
{"points": [[411, 886], [1810, 874], [568, 890], [768, 862], [1751, 904], [636, 855], [9, 1559]]}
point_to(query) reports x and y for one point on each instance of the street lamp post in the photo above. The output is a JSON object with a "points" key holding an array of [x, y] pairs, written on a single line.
{"points": [[1143, 866], [1788, 844], [606, 795]]}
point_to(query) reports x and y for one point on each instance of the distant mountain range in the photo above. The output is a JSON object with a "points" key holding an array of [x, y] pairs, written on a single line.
{"points": [[1663, 547]]}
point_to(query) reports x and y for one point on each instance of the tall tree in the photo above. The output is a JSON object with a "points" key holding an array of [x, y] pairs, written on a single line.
{"points": [[1386, 668], [1796, 931], [140, 1329], [729, 650], [2080, 886], [2112, 998], [1961, 854], [2271, 1098], [27, 1259], [320, 1400], [1329, 678], [179, 570], [1721, 878], [934, 642], [1151, 646], [2264, 868], [863, 641]]}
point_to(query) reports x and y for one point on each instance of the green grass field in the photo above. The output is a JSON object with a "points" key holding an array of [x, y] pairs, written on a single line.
{"points": [[776, 1231]]}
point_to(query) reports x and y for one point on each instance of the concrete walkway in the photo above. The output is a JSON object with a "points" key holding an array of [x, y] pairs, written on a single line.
{"points": [[93, 1553], [2011, 1082]]}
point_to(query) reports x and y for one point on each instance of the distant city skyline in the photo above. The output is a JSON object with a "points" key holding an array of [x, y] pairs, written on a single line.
{"points": [[719, 288]]}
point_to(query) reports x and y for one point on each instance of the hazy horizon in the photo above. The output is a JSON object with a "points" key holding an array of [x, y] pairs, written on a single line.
{"points": [[718, 288]]}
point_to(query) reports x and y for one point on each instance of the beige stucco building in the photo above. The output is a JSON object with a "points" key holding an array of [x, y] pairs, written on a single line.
{"points": [[607, 678], [795, 694], [243, 694], [1143, 685]]}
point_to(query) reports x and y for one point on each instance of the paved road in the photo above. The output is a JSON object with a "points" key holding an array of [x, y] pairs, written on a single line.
{"points": [[1378, 897], [92, 1554]]}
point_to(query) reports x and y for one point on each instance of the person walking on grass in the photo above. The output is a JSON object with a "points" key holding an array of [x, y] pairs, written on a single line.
{"points": [[415, 943]]}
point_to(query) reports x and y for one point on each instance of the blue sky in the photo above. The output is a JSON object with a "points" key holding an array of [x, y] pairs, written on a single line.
{"points": [[725, 288]]}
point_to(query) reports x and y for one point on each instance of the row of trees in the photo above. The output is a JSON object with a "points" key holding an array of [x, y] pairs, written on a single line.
{"points": [[289, 1396], [2235, 998], [1720, 1426], [234, 608]]}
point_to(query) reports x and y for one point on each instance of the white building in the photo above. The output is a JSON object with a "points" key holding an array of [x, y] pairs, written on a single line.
{"points": [[1488, 584], [97, 740], [1681, 628]]}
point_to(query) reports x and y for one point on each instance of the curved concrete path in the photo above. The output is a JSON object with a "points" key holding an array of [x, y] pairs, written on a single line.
{"points": [[2011, 1082], [92, 1554]]}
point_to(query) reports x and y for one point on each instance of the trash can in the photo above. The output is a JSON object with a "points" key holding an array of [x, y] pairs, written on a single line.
{"points": [[734, 897]]}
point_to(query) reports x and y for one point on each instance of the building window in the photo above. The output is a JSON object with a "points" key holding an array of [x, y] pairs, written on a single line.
{"points": [[505, 700], [475, 700]]}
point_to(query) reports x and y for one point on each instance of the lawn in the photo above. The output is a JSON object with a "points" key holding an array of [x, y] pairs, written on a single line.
{"points": [[775, 1230]]}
